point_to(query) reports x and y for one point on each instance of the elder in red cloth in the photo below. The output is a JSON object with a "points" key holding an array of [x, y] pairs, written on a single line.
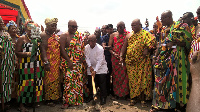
{"points": [[120, 77]]}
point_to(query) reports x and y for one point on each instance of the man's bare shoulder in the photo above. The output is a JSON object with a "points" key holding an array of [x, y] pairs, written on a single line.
{"points": [[129, 34], [114, 34], [65, 34], [43, 35]]}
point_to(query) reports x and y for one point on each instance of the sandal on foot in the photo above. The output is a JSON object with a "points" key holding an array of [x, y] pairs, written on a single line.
{"points": [[23, 109], [132, 103], [143, 104], [51, 104], [64, 106]]}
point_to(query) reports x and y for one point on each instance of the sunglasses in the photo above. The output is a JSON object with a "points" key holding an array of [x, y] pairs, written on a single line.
{"points": [[73, 26]]}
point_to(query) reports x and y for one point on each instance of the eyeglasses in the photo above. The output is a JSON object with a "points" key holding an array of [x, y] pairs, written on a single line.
{"points": [[73, 26]]}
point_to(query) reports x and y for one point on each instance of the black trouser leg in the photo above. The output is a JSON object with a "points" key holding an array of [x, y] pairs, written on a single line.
{"points": [[108, 77], [102, 84], [100, 80]]}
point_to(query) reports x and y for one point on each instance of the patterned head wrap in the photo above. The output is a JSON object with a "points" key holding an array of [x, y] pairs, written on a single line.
{"points": [[28, 23], [11, 23], [49, 21]]}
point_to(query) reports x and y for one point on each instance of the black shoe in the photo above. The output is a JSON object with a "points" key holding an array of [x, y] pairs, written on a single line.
{"points": [[103, 101], [88, 99]]}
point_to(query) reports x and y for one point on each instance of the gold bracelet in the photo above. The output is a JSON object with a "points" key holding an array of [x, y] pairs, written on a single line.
{"points": [[28, 54], [113, 53]]}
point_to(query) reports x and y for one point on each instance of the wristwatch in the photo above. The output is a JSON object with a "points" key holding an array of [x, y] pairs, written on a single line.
{"points": [[46, 63]]}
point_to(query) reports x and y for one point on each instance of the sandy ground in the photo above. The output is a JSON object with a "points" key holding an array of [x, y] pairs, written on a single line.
{"points": [[110, 106]]}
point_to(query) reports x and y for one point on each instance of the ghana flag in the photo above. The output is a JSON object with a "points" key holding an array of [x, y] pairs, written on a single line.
{"points": [[13, 10]]}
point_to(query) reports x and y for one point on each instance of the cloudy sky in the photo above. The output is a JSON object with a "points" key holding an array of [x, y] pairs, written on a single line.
{"points": [[90, 14]]}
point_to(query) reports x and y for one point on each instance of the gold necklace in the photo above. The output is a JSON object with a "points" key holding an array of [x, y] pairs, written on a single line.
{"points": [[28, 38]]}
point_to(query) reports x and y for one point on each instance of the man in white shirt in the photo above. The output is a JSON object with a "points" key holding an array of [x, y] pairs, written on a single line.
{"points": [[97, 67]]}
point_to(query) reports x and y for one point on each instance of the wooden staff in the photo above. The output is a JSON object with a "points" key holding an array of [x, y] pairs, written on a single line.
{"points": [[94, 91]]}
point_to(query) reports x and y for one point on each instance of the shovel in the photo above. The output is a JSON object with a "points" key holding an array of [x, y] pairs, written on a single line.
{"points": [[94, 91]]}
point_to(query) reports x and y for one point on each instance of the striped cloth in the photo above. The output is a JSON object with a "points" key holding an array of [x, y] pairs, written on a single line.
{"points": [[7, 65], [26, 77]]}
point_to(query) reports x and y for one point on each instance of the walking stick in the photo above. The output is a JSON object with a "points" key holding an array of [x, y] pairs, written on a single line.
{"points": [[34, 84], [35, 34], [94, 91], [1, 82], [34, 58]]}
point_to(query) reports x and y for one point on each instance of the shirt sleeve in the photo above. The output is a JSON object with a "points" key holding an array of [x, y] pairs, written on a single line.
{"points": [[100, 55], [87, 58]]}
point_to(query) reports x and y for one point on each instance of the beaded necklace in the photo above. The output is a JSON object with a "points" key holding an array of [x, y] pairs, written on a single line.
{"points": [[28, 37], [51, 35]]}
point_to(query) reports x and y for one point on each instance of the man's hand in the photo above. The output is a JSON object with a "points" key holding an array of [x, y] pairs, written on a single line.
{"points": [[47, 67], [91, 69], [181, 44], [70, 65], [93, 73], [121, 60], [145, 52], [116, 55], [170, 44]]}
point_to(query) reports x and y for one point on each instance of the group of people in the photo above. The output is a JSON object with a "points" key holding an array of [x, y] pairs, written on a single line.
{"points": [[140, 65]]}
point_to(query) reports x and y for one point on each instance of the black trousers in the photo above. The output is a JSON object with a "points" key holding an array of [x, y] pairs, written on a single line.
{"points": [[109, 84], [100, 81]]}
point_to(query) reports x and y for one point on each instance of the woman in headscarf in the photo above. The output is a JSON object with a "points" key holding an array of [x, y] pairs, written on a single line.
{"points": [[25, 51], [12, 30], [7, 63]]}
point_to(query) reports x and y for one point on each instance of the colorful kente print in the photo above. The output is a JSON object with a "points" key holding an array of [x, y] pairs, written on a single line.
{"points": [[119, 75], [164, 92], [26, 77], [73, 85], [7, 65], [182, 32], [85, 76], [138, 67], [195, 45], [52, 77]]}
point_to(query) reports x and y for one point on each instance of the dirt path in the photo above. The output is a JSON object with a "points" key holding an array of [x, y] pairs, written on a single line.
{"points": [[110, 106]]}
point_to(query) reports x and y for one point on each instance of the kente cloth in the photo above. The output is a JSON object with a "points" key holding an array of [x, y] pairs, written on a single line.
{"points": [[164, 92], [53, 76], [52, 90], [138, 67], [182, 33], [26, 77], [119, 75], [195, 45], [85, 76], [73, 85], [7, 65]]}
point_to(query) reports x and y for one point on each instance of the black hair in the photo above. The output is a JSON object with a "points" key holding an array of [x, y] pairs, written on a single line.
{"points": [[109, 26]]}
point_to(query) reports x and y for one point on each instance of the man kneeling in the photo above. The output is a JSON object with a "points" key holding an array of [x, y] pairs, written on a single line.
{"points": [[97, 67]]}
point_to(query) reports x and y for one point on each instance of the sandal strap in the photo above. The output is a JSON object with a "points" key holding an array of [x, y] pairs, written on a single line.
{"points": [[143, 102]]}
